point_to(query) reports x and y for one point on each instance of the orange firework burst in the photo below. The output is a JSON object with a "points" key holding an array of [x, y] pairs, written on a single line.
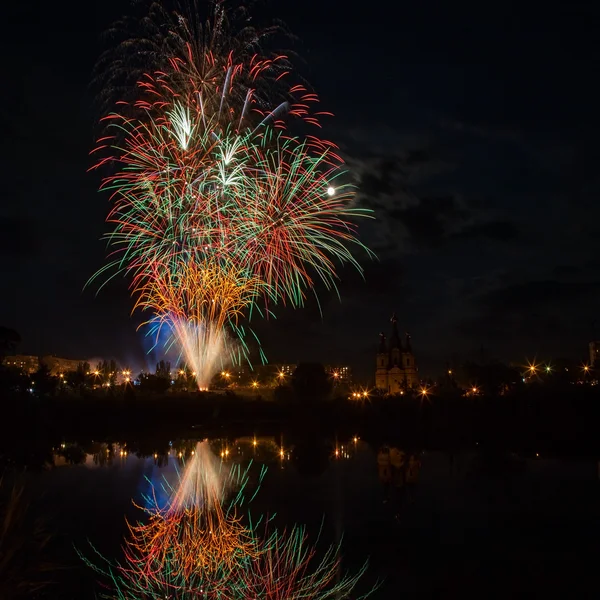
{"points": [[196, 302]]}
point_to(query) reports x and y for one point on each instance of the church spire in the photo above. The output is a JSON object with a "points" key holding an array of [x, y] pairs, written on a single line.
{"points": [[395, 339], [382, 348]]}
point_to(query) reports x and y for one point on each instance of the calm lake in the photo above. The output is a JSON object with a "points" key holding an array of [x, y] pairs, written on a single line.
{"points": [[475, 525]]}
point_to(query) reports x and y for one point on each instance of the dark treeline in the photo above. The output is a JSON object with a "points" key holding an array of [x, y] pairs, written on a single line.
{"points": [[551, 416], [535, 419]]}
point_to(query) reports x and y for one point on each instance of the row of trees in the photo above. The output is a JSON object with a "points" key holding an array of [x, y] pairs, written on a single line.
{"points": [[499, 379]]}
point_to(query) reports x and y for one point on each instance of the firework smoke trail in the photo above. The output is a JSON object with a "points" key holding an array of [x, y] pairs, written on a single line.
{"points": [[195, 303], [217, 209], [199, 546], [204, 483]]}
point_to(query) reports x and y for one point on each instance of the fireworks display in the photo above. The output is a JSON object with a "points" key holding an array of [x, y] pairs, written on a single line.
{"points": [[218, 210], [202, 545]]}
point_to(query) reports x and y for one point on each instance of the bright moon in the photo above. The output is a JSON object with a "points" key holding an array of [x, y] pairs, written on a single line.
{"points": [[331, 191]]}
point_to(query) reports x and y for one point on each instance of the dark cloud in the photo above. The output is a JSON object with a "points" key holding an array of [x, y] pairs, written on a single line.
{"points": [[429, 221], [380, 180], [528, 313], [538, 295], [419, 156], [384, 276], [406, 212], [501, 231], [18, 237], [562, 271]]}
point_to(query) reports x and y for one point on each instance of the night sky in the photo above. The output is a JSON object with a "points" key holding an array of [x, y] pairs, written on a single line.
{"points": [[471, 131]]}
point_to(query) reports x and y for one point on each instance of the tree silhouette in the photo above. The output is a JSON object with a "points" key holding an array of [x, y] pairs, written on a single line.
{"points": [[9, 340], [163, 369], [42, 381], [310, 381], [107, 371]]}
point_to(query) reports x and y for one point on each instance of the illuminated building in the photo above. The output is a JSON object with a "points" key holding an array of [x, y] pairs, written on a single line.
{"points": [[396, 367], [28, 364], [287, 370], [59, 365], [339, 374]]}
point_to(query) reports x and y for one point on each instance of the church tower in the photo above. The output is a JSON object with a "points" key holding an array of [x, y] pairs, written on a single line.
{"points": [[395, 344], [383, 359], [396, 368], [395, 373], [408, 364]]}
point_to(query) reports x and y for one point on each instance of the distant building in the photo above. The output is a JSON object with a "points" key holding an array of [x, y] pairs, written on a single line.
{"points": [[59, 365], [594, 354], [286, 369], [396, 367], [28, 364], [339, 374]]}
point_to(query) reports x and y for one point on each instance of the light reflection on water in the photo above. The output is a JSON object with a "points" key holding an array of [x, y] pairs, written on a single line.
{"points": [[468, 514], [161, 468]]}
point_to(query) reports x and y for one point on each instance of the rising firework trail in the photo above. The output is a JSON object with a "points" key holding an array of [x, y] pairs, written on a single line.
{"points": [[218, 211]]}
